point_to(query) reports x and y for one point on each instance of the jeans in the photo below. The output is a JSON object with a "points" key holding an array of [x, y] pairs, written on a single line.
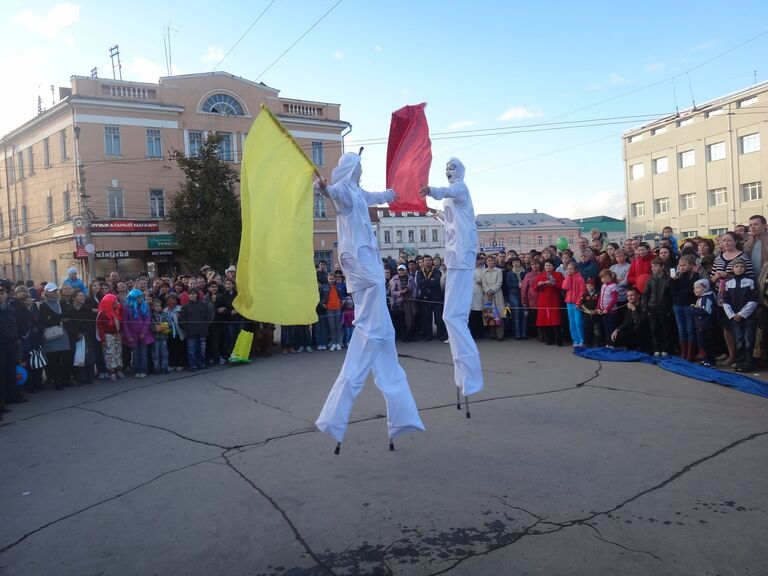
{"points": [[140, 359], [518, 315], [686, 330], [196, 352], [576, 323], [160, 355], [348, 331], [744, 333], [610, 323], [335, 332]]}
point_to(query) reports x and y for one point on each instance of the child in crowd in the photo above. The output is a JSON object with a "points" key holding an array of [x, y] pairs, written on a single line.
{"points": [[740, 305], [331, 297], [515, 276], [607, 304], [136, 330], [682, 299], [704, 320], [194, 319], [348, 320], [161, 327], [668, 233], [588, 305], [657, 300], [574, 287], [108, 330]]}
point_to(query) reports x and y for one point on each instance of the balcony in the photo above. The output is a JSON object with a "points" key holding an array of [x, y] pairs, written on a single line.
{"points": [[302, 110], [129, 92]]}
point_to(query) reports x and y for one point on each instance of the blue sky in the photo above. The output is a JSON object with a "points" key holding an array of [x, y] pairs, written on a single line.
{"points": [[483, 65]]}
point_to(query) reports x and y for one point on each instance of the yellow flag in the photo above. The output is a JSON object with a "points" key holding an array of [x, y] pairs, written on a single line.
{"points": [[276, 279]]}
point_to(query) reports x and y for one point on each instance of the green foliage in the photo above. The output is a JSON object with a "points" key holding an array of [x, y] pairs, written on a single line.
{"points": [[205, 214]]}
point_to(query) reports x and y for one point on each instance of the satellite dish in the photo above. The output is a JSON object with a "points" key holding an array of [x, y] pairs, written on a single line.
{"points": [[78, 222]]}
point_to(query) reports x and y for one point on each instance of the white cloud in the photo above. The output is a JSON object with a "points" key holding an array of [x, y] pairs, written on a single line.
{"points": [[337, 55], [655, 66], [144, 70], [59, 17], [594, 204], [616, 80], [378, 48], [462, 124], [521, 113], [214, 54], [26, 68]]}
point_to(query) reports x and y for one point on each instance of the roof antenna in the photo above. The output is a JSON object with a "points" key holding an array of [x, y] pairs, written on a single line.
{"points": [[360, 153], [674, 94], [690, 88]]}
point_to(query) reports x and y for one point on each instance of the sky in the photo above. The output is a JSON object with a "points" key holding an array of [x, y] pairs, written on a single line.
{"points": [[532, 96]]}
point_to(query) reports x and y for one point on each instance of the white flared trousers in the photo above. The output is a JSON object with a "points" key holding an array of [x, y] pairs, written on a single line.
{"points": [[467, 370], [372, 348]]}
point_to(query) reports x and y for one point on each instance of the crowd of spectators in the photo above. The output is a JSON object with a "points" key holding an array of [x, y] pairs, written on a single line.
{"points": [[701, 298]]}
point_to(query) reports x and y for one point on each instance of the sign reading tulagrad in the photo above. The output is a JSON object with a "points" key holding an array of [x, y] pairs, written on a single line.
{"points": [[123, 226], [115, 254]]}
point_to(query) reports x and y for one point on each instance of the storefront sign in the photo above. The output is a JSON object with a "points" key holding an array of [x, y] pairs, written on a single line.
{"points": [[165, 241], [107, 226], [141, 254]]}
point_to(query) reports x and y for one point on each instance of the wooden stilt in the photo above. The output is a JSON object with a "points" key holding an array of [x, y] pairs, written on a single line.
{"points": [[338, 448], [466, 404]]}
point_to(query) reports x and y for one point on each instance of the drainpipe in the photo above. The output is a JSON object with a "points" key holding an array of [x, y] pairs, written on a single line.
{"points": [[345, 134], [8, 201]]}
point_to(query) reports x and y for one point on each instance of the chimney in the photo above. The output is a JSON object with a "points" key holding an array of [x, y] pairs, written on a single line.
{"points": [[535, 211]]}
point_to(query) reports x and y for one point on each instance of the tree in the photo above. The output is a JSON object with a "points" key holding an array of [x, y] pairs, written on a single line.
{"points": [[205, 214]]}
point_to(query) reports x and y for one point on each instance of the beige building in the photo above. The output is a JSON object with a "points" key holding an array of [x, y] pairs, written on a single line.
{"points": [[121, 134], [409, 232], [523, 232], [700, 171]]}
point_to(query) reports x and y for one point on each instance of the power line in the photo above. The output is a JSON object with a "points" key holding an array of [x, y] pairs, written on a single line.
{"points": [[244, 34]]}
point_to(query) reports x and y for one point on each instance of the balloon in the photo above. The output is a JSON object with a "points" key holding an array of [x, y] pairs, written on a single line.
{"points": [[21, 376], [641, 281], [562, 243]]}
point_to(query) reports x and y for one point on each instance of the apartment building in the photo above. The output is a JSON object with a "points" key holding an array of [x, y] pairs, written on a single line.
{"points": [[100, 158], [700, 171], [409, 232], [523, 232]]}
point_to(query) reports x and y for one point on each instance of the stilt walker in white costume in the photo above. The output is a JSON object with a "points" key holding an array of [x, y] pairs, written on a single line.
{"points": [[373, 341], [461, 241]]}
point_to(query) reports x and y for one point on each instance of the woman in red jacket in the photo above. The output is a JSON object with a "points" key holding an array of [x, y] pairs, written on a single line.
{"points": [[549, 283]]}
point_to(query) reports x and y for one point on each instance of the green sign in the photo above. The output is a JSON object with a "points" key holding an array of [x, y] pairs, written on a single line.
{"points": [[164, 241]]}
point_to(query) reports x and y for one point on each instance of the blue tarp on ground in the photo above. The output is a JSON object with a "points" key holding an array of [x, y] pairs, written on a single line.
{"points": [[679, 366]]}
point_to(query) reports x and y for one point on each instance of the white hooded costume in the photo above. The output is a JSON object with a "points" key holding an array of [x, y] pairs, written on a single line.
{"points": [[373, 341], [461, 241]]}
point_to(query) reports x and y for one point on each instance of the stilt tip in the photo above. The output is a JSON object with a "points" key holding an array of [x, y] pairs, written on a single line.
{"points": [[391, 446], [338, 449], [468, 415]]}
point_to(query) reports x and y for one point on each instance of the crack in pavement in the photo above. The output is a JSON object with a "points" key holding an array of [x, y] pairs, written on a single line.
{"points": [[261, 402], [602, 539], [100, 502], [299, 538]]}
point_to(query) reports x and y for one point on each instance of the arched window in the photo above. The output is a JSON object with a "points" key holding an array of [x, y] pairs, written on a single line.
{"points": [[223, 104]]}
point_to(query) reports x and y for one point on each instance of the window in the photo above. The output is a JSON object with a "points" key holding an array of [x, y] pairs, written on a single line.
{"points": [[10, 167], [115, 203], [716, 151], [540, 240], [47, 153], [14, 222], [325, 255], [399, 236], [422, 235], [318, 157], [387, 237], [747, 102], [661, 165], [661, 205], [225, 146], [687, 158], [63, 145], [31, 160], [49, 207], [635, 138], [716, 112], [750, 143], [195, 142], [67, 207], [112, 140], [528, 240], [751, 191], [411, 236], [685, 122], [434, 235], [718, 197], [689, 233], [717, 231], [54, 270], [21, 165], [24, 220], [156, 203], [687, 201], [2, 224], [636, 171], [658, 130], [638, 209], [319, 210], [154, 149], [223, 104]]}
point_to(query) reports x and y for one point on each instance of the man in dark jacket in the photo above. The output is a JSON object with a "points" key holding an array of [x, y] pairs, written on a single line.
{"points": [[195, 318], [431, 299], [10, 341], [633, 332]]}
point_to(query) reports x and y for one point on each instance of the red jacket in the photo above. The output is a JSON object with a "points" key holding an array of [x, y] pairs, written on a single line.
{"points": [[549, 300], [638, 267], [574, 287]]}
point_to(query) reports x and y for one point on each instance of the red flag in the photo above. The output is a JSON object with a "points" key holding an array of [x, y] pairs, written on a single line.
{"points": [[409, 156]]}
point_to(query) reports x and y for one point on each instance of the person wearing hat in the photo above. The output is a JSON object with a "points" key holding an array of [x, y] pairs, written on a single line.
{"points": [[230, 273], [55, 339], [75, 282], [740, 306], [403, 288], [704, 321], [372, 347]]}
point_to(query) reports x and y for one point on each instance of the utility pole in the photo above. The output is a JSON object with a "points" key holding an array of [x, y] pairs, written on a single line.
{"points": [[85, 213]]}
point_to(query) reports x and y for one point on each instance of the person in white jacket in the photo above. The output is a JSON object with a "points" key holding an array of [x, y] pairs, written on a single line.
{"points": [[373, 342], [461, 241]]}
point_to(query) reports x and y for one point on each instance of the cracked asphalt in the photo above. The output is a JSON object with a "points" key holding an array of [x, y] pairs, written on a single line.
{"points": [[567, 466]]}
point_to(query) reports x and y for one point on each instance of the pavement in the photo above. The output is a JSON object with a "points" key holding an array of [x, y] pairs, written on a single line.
{"points": [[566, 466]]}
